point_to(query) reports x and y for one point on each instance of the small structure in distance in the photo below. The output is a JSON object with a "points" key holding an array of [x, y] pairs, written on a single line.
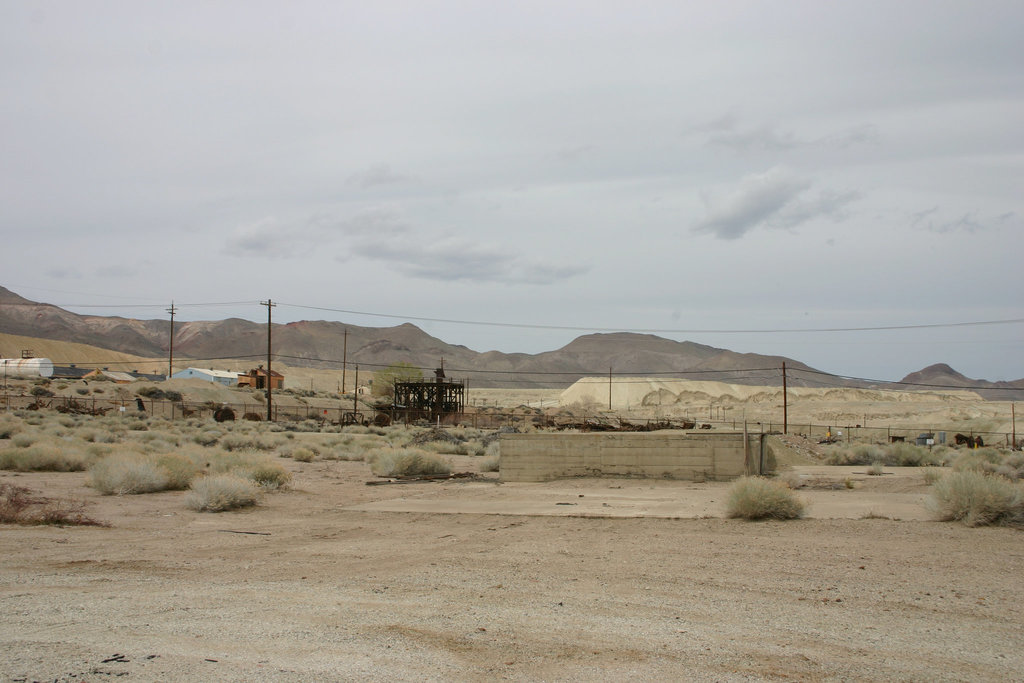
{"points": [[434, 401], [225, 377], [257, 379]]}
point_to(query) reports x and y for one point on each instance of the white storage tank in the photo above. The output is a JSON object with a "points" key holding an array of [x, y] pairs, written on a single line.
{"points": [[26, 367]]}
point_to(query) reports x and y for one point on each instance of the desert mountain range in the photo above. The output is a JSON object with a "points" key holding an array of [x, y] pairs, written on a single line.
{"points": [[321, 343]]}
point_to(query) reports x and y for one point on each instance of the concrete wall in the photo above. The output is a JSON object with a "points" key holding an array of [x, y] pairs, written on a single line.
{"points": [[669, 454]]}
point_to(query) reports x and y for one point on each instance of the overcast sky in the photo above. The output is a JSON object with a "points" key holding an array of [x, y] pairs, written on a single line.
{"points": [[655, 165]]}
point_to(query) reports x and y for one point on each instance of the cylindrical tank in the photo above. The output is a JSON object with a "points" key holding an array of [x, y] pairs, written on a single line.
{"points": [[26, 367]]}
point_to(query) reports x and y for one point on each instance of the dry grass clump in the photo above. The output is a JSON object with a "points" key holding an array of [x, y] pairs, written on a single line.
{"points": [[19, 506], [43, 457], [237, 441], [344, 455], [404, 462], [9, 427], [24, 440], [127, 474], [207, 437], [220, 492], [877, 468], [991, 461], [490, 463], [302, 454], [757, 498], [265, 473], [978, 499], [179, 468], [891, 455], [932, 475]]}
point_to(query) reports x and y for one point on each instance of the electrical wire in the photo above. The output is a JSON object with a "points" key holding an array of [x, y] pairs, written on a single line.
{"points": [[874, 328]]}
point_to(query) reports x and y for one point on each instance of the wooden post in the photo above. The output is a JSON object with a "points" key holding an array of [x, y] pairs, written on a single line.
{"points": [[785, 402]]}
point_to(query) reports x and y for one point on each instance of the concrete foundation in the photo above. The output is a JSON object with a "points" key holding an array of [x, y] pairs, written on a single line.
{"points": [[670, 454]]}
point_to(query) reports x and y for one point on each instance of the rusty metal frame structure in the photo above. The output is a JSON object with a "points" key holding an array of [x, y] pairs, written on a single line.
{"points": [[429, 400]]}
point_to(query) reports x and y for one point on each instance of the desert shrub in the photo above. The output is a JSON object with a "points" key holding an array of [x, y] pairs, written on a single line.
{"points": [[8, 428], [978, 460], [19, 506], [877, 468], [932, 475], [460, 448], [96, 436], [127, 474], [150, 392], [303, 454], [1012, 466], [180, 470], [220, 492], [264, 473], [207, 437], [342, 454], [490, 463], [95, 451], [41, 392], [24, 440], [82, 391], [406, 462], [757, 498], [911, 455], [43, 457], [237, 441], [978, 499]]}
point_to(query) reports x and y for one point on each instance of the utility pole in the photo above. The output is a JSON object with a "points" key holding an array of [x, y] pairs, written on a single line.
{"points": [[609, 388], [170, 356], [270, 400], [355, 396], [344, 360], [785, 402]]}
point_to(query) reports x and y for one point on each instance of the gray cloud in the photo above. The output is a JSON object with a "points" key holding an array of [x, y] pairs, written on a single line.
{"points": [[828, 204], [755, 139], [757, 199], [267, 237], [937, 221], [726, 131], [117, 271], [456, 260], [378, 174], [272, 238]]}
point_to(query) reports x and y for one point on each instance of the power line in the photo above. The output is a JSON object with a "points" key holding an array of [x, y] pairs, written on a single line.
{"points": [[492, 323], [66, 306], [903, 383]]}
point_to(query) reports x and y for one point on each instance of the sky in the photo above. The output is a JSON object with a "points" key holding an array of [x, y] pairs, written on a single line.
{"points": [[730, 173]]}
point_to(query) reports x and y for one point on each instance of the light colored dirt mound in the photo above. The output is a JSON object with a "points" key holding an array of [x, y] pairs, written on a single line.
{"points": [[65, 353], [632, 392]]}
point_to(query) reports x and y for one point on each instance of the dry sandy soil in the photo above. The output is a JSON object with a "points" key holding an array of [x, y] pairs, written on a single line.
{"points": [[589, 579]]}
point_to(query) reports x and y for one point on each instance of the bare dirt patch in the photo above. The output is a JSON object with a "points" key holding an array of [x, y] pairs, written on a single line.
{"points": [[477, 580]]}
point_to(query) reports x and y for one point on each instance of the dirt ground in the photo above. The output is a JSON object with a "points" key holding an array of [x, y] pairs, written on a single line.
{"points": [[588, 579]]}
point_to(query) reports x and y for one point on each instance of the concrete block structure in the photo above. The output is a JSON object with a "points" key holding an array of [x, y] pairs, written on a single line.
{"points": [[669, 454]]}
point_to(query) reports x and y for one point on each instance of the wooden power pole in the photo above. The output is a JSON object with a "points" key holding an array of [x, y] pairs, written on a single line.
{"points": [[344, 360], [785, 402], [170, 353], [270, 394]]}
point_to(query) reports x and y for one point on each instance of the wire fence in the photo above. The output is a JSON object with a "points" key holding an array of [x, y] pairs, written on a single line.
{"points": [[495, 418]]}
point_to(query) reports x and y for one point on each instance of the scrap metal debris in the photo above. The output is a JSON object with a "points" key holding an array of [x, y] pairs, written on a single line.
{"points": [[413, 478]]}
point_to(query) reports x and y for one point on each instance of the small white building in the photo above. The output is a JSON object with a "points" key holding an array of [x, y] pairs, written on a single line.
{"points": [[228, 379]]}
